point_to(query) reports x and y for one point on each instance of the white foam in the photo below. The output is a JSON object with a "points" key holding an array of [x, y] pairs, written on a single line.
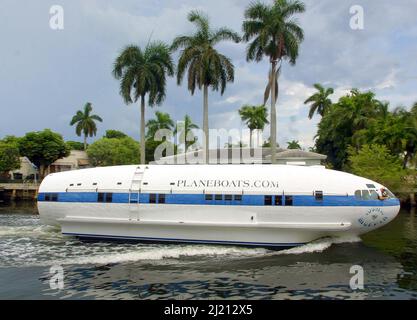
{"points": [[320, 245], [29, 231], [166, 252]]}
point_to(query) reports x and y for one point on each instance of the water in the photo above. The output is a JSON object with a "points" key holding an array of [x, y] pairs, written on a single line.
{"points": [[94, 270]]}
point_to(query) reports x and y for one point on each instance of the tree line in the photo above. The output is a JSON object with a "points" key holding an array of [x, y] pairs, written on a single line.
{"points": [[363, 135]]}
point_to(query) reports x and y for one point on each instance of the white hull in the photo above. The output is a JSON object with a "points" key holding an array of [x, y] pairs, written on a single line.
{"points": [[243, 225]]}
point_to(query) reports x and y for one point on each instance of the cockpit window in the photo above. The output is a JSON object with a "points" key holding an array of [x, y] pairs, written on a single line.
{"points": [[366, 195], [374, 195], [390, 194]]}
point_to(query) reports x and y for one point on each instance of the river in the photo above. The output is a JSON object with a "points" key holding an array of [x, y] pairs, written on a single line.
{"points": [[97, 270]]}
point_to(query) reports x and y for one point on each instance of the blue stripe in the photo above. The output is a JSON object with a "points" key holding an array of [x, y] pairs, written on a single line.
{"points": [[247, 200], [82, 235]]}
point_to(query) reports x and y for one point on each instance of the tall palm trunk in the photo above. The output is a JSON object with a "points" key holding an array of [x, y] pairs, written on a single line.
{"points": [[142, 130], [206, 124], [250, 137], [85, 142], [273, 135]]}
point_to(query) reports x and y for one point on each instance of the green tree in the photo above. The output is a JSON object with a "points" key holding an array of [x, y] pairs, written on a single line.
{"points": [[273, 33], [75, 145], [43, 148], [375, 162], [294, 145], [184, 131], [143, 73], [112, 152], [267, 144], [255, 118], [151, 146], [86, 123], [207, 68], [162, 121], [9, 157], [345, 125], [115, 134], [320, 101]]}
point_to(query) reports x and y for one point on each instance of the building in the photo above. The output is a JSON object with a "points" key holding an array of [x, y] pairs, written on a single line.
{"points": [[26, 171], [246, 156], [76, 160]]}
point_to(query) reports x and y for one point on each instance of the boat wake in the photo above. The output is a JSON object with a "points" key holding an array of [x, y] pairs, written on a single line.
{"points": [[319, 245], [30, 231], [26, 242]]}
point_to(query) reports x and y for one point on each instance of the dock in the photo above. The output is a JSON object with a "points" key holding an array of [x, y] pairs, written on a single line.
{"points": [[18, 191]]}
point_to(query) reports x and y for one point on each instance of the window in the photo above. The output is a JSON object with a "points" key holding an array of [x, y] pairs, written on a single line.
{"points": [[119, 183], [109, 197], [152, 198], [374, 195], [358, 195], [209, 197], [161, 198], [71, 185], [370, 186], [218, 197], [79, 184], [278, 200], [95, 183], [238, 197], [366, 195], [390, 194], [288, 201], [228, 197], [100, 197], [318, 195], [268, 200], [47, 197], [54, 197]]}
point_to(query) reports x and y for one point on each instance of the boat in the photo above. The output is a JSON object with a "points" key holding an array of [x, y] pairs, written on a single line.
{"points": [[276, 206]]}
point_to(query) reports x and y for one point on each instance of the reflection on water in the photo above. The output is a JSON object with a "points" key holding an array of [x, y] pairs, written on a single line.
{"points": [[137, 271]]}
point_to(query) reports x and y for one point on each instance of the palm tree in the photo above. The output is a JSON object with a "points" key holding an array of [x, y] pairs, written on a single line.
{"points": [[207, 68], [320, 101], [255, 118], [294, 144], [143, 73], [184, 128], [85, 123], [275, 34], [162, 121]]}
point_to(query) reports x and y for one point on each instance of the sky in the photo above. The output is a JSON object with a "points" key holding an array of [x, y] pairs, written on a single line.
{"points": [[46, 75]]}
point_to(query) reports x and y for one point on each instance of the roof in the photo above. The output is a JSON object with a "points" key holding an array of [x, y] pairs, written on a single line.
{"points": [[298, 154], [255, 155]]}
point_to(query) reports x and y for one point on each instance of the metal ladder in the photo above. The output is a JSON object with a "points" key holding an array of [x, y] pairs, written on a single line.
{"points": [[134, 190]]}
